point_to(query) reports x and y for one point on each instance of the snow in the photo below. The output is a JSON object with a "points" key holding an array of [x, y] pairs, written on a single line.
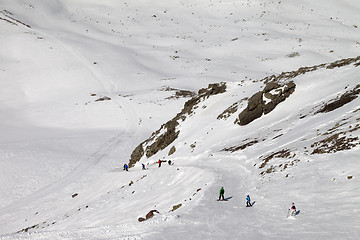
{"points": [[62, 148]]}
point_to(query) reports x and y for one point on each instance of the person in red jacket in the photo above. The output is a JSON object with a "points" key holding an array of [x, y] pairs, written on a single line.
{"points": [[159, 163]]}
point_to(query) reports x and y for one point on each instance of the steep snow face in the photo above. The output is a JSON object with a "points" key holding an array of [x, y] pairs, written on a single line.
{"points": [[84, 82]]}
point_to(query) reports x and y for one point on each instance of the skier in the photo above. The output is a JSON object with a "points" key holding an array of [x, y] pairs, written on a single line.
{"points": [[169, 162], [293, 210], [159, 163], [143, 167], [222, 191], [248, 203], [126, 167]]}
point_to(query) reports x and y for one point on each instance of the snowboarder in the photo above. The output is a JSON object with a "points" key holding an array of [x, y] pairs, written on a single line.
{"points": [[126, 167], [248, 203], [169, 162], [293, 210], [221, 195], [143, 167], [159, 163]]}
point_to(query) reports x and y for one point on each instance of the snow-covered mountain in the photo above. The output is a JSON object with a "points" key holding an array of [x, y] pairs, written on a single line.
{"points": [[257, 96]]}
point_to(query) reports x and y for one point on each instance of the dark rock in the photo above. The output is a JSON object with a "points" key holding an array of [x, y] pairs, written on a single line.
{"points": [[213, 89], [343, 62], [344, 99], [242, 146], [255, 101], [271, 96], [136, 154], [176, 207], [164, 139], [269, 107], [246, 116], [256, 105], [151, 214], [270, 86], [172, 150], [105, 98]]}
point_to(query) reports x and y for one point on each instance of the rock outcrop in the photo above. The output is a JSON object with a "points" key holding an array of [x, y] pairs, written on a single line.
{"points": [[167, 133], [148, 215], [274, 93]]}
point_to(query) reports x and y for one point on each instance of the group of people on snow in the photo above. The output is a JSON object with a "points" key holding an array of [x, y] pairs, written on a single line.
{"points": [[126, 167], [222, 198], [222, 190], [249, 204], [160, 161]]}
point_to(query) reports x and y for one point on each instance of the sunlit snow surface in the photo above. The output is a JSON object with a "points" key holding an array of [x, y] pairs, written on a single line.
{"points": [[83, 82]]}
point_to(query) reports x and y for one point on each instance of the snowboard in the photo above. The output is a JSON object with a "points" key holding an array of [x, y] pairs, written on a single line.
{"points": [[293, 215], [252, 204]]}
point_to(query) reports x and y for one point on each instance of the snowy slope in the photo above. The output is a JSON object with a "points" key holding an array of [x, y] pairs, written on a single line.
{"points": [[294, 153], [85, 82]]}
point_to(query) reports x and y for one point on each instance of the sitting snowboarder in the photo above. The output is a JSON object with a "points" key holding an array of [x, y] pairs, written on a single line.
{"points": [[248, 203], [293, 210], [222, 191]]}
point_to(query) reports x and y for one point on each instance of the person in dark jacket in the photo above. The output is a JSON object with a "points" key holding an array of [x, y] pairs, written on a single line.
{"points": [[221, 194]]}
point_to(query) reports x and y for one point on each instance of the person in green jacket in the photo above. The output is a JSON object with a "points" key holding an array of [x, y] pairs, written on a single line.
{"points": [[222, 191]]}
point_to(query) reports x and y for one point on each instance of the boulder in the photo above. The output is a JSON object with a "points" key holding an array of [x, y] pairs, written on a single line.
{"points": [[256, 106], [151, 214]]}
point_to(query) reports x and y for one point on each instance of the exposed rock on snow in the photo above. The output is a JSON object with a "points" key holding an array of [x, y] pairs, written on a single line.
{"points": [[277, 89], [273, 91], [176, 207], [230, 110], [178, 93], [341, 101], [335, 143], [172, 150], [105, 98], [167, 133], [284, 153], [245, 144], [148, 215], [62, 153]]}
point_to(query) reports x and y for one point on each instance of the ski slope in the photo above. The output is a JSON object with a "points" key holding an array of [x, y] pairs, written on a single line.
{"points": [[85, 82]]}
